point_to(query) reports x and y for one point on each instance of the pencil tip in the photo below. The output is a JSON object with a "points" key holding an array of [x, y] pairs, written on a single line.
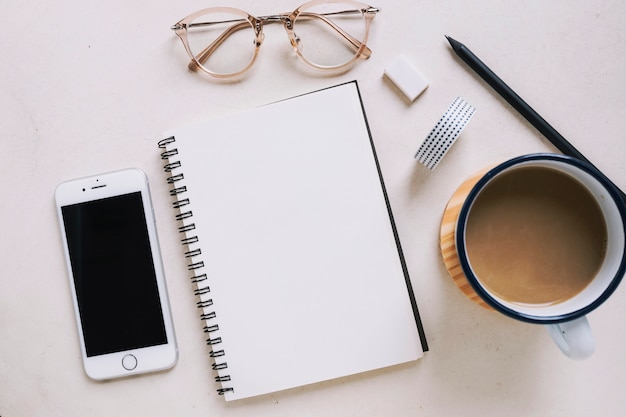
{"points": [[454, 43]]}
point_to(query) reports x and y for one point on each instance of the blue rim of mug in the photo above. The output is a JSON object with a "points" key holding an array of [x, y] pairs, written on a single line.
{"points": [[463, 258]]}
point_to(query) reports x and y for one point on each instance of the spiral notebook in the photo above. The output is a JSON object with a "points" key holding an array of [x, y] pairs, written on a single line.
{"points": [[291, 243]]}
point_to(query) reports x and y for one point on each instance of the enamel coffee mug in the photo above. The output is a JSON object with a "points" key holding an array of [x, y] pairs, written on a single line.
{"points": [[540, 238]]}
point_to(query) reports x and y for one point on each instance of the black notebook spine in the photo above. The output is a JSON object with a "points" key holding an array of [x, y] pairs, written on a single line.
{"points": [[195, 262]]}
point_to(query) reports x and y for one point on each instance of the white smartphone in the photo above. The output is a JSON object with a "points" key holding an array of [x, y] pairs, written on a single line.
{"points": [[116, 275]]}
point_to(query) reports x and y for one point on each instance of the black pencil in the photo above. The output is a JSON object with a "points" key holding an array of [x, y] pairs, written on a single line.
{"points": [[518, 103]]}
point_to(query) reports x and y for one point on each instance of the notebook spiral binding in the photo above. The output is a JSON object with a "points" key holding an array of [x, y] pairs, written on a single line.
{"points": [[195, 266]]}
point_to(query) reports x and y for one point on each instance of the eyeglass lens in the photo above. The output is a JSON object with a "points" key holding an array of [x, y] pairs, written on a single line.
{"points": [[320, 32], [222, 42]]}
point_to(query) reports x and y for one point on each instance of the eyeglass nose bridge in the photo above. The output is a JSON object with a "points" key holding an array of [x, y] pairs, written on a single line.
{"points": [[287, 21], [259, 22], [276, 18]]}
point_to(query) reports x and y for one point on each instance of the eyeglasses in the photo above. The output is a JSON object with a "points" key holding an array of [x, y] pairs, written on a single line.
{"points": [[325, 34]]}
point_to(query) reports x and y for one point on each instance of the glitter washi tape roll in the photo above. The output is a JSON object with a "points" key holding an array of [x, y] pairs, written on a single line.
{"points": [[445, 133]]}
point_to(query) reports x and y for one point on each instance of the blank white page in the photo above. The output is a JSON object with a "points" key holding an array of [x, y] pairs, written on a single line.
{"points": [[304, 271]]}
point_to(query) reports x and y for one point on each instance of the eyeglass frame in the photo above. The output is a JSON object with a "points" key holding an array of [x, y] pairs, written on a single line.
{"points": [[196, 63]]}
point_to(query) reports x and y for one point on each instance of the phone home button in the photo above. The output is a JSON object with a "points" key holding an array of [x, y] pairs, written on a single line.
{"points": [[129, 362]]}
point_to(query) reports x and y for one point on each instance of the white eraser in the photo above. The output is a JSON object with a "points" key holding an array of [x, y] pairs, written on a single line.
{"points": [[408, 79]]}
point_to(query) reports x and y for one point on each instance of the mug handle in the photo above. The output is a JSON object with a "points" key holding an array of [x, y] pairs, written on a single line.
{"points": [[574, 338]]}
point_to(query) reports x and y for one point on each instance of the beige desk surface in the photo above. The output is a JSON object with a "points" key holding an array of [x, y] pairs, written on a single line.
{"points": [[88, 87]]}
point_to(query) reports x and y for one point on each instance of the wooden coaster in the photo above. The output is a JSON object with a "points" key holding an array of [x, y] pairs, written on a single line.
{"points": [[447, 241]]}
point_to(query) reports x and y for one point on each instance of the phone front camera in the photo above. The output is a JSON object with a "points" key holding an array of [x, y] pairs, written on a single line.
{"points": [[83, 189]]}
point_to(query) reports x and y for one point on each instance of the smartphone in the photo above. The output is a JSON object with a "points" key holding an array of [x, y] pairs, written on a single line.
{"points": [[116, 275]]}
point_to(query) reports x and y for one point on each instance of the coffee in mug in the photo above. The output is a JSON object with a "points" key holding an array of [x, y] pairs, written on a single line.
{"points": [[535, 235], [540, 238]]}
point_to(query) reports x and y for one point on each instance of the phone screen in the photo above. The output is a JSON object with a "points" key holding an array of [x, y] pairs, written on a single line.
{"points": [[114, 275]]}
